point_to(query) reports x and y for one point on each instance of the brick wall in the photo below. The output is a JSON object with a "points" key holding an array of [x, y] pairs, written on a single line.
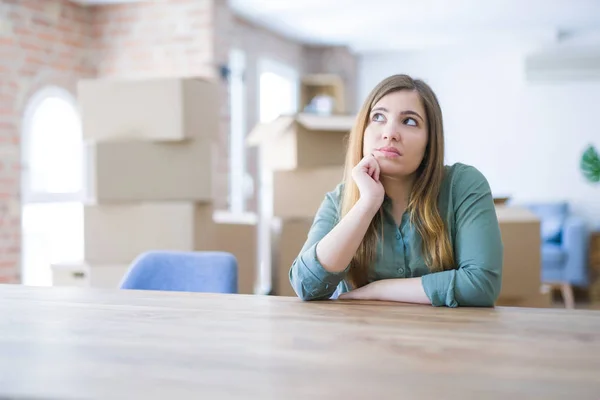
{"points": [[41, 43], [152, 39]]}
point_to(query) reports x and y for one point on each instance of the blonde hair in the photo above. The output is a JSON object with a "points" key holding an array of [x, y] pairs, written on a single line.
{"points": [[422, 206]]}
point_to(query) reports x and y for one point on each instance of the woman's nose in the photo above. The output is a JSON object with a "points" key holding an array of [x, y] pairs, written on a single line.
{"points": [[391, 132]]}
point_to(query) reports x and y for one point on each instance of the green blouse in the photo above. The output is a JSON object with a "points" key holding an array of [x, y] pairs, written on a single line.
{"points": [[467, 208]]}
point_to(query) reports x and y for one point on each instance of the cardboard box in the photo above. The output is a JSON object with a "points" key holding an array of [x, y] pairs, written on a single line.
{"points": [[539, 300], [167, 109], [238, 235], [302, 141], [521, 275], [118, 233], [288, 237], [147, 171], [107, 276], [331, 85], [298, 194]]}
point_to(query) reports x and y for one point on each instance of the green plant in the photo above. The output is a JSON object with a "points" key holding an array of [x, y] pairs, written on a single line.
{"points": [[590, 164]]}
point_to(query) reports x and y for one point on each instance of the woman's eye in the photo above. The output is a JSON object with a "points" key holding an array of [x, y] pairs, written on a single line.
{"points": [[378, 117], [410, 122]]}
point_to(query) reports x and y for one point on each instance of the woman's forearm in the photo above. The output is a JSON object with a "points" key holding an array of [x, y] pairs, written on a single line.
{"points": [[409, 290], [336, 250]]}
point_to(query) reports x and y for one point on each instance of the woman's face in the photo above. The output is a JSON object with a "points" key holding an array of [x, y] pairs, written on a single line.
{"points": [[397, 133]]}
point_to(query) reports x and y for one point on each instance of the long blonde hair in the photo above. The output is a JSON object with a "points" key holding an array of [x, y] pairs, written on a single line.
{"points": [[422, 205]]}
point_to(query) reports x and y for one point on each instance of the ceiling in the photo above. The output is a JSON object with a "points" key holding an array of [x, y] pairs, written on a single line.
{"points": [[380, 25], [99, 2], [387, 25]]}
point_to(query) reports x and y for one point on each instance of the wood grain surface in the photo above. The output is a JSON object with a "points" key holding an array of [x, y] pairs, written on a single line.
{"points": [[77, 343]]}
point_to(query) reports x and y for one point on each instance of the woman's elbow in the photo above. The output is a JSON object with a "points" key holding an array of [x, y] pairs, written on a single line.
{"points": [[297, 281], [482, 299], [311, 283], [306, 296], [304, 293], [484, 291], [300, 290]]}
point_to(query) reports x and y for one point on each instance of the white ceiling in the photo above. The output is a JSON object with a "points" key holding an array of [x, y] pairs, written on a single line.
{"points": [[99, 2], [384, 25], [377, 25]]}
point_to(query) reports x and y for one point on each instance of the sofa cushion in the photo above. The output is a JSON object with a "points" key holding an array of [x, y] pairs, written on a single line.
{"points": [[552, 217], [553, 256]]}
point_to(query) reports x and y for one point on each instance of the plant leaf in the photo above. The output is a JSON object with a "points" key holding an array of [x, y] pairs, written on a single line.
{"points": [[590, 164]]}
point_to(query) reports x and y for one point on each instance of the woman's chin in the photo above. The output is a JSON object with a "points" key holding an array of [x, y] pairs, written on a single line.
{"points": [[394, 168], [394, 172], [390, 164]]}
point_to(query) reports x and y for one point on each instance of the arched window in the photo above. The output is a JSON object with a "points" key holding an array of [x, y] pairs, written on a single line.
{"points": [[51, 185]]}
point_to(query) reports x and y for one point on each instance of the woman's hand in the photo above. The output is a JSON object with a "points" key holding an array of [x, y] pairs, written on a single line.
{"points": [[361, 293], [366, 176]]}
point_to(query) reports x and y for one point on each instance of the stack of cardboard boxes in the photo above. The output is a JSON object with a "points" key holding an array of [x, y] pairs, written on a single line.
{"points": [[149, 178], [305, 154]]}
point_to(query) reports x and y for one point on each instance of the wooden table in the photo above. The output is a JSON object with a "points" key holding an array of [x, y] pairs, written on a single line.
{"points": [[64, 343]]}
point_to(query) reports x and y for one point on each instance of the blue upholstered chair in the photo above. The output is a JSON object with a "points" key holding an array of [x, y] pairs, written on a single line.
{"points": [[564, 247], [211, 272]]}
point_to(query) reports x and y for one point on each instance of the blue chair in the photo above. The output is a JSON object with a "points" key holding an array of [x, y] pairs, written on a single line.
{"points": [[208, 272], [564, 247]]}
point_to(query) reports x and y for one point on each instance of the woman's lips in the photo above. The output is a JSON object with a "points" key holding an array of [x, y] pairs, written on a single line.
{"points": [[390, 152]]}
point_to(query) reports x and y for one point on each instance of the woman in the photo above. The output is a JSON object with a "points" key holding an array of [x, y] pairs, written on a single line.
{"points": [[402, 226]]}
